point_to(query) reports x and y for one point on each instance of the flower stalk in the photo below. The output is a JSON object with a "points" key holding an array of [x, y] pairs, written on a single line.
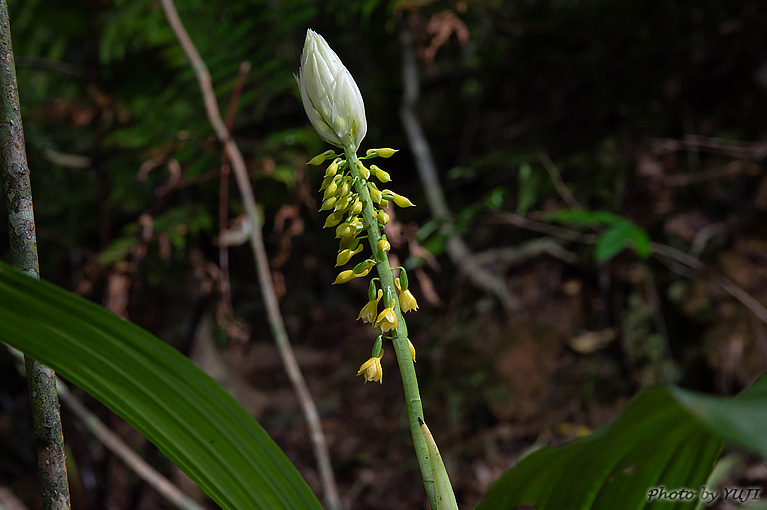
{"points": [[356, 210], [400, 341]]}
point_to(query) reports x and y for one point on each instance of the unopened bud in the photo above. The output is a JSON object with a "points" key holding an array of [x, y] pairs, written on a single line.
{"points": [[398, 199], [378, 347], [328, 204], [333, 219], [330, 190], [320, 158], [331, 98], [375, 195], [332, 168], [344, 276], [384, 153], [364, 172], [383, 245], [381, 175]]}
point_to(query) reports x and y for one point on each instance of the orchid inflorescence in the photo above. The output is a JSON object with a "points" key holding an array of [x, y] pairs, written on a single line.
{"points": [[345, 203], [357, 206]]}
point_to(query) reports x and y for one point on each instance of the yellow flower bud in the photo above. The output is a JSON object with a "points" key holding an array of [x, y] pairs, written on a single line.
{"points": [[345, 255], [341, 204], [364, 172], [384, 153], [345, 188], [328, 204], [381, 175], [375, 195], [363, 270], [333, 219], [398, 199], [330, 190], [412, 349], [383, 245], [383, 217], [345, 230], [327, 181], [332, 168], [319, 158], [345, 276], [356, 207]]}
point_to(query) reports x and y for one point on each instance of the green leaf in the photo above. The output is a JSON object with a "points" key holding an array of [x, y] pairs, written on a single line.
{"points": [[612, 241], [665, 437], [741, 420], [619, 236], [174, 404]]}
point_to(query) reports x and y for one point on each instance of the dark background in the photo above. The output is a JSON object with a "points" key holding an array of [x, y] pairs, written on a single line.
{"points": [[654, 111]]}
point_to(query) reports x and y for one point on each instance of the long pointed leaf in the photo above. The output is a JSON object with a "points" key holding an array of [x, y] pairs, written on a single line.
{"points": [[178, 407]]}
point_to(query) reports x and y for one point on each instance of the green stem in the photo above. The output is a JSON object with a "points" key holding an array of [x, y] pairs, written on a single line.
{"points": [[400, 342], [46, 420]]}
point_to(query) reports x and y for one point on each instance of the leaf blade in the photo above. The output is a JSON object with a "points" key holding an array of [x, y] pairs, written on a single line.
{"points": [[179, 408]]}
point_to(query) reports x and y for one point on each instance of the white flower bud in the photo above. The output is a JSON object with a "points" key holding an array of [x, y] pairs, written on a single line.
{"points": [[331, 98]]}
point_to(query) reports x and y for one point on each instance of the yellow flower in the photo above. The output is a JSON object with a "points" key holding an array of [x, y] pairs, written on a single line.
{"points": [[387, 320], [370, 310], [407, 300], [372, 370], [345, 276], [412, 349]]}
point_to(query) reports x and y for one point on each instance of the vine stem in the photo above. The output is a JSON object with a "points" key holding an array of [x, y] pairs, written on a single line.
{"points": [[400, 342], [46, 418]]}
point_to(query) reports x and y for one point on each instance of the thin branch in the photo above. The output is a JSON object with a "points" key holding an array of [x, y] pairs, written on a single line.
{"points": [[747, 150], [259, 251], [457, 250], [46, 420], [685, 265], [559, 184], [223, 196]]}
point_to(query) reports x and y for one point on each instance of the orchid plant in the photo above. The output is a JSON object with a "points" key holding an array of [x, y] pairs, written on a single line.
{"points": [[357, 211]]}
